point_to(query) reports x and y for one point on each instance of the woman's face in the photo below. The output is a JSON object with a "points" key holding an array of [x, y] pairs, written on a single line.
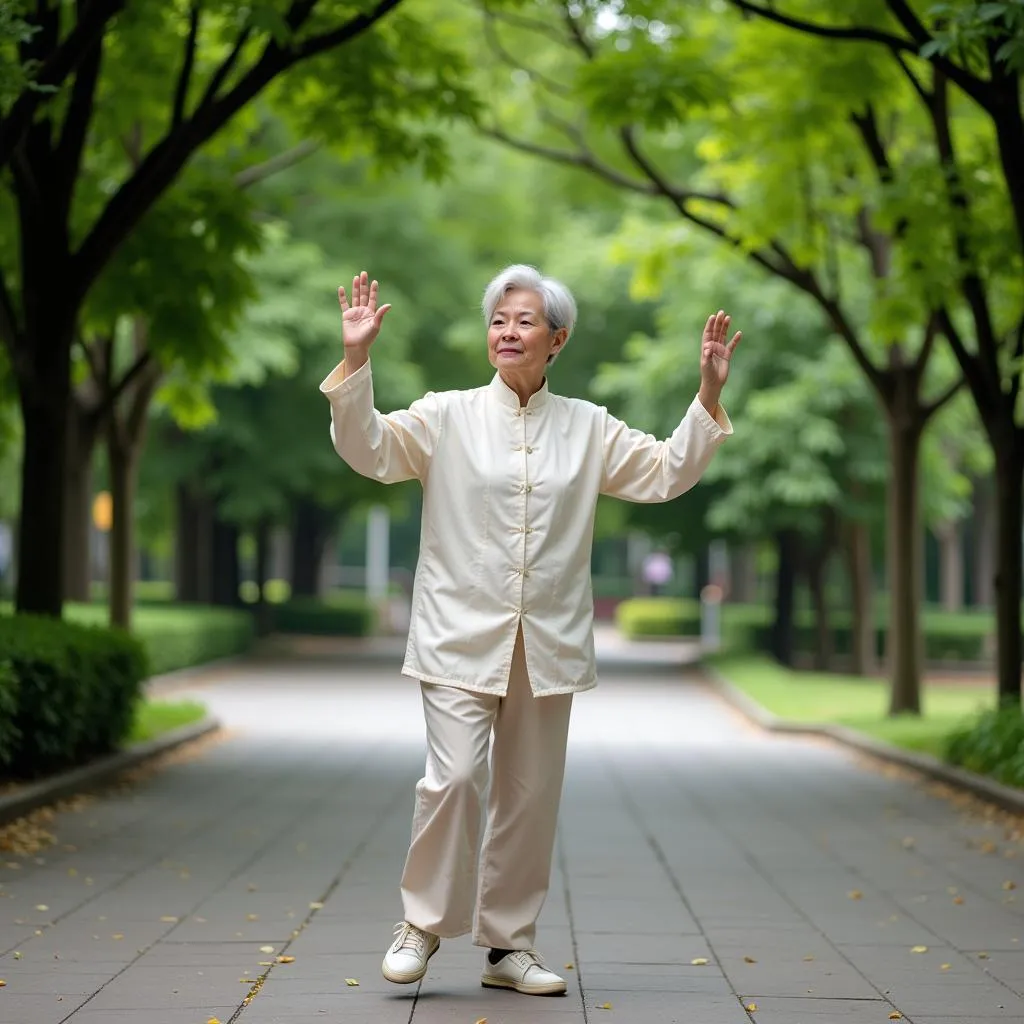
{"points": [[519, 339]]}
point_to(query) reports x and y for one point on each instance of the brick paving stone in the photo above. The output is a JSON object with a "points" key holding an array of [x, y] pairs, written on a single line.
{"points": [[685, 835]]}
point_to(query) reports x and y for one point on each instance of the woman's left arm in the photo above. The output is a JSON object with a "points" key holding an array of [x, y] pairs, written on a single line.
{"points": [[638, 467]]}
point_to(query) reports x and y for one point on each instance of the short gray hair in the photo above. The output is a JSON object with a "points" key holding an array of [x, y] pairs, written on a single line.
{"points": [[559, 305]]}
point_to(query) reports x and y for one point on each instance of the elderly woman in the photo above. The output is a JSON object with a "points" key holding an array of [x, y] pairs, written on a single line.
{"points": [[501, 634]]}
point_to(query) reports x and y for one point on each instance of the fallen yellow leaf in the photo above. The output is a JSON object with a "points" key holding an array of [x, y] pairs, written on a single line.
{"points": [[16, 955], [946, 967], [604, 1006], [749, 960], [809, 958], [169, 920], [699, 961], [751, 1007], [118, 936], [919, 949], [3, 984], [895, 1015], [213, 1020], [855, 894], [316, 906], [1009, 885], [983, 956], [252, 917], [266, 963], [286, 959], [958, 900], [570, 967], [42, 906], [482, 1020], [266, 949], [351, 982]]}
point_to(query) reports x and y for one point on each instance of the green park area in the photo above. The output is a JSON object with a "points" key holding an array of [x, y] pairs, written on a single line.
{"points": [[183, 187]]}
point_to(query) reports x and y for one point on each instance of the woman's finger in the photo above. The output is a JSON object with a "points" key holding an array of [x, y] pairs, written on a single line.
{"points": [[342, 300], [373, 296], [379, 315], [735, 341]]}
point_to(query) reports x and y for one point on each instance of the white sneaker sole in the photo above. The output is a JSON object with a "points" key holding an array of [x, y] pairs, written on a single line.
{"points": [[552, 988], [407, 977]]}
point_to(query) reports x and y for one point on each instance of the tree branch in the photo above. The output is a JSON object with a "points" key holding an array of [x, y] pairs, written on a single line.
{"points": [[929, 409], [977, 88], [786, 267], [225, 69], [62, 61], [860, 33], [496, 45], [79, 115], [583, 159], [112, 392], [166, 159], [187, 64], [249, 176]]}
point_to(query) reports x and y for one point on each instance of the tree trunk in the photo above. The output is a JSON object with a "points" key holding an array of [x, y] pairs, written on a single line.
{"points": [[951, 565], [83, 433], [45, 401], [123, 457], [863, 644], [309, 535], [1009, 459], [743, 572], [193, 545], [788, 547], [263, 534], [904, 649], [817, 574], [983, 535], [227, 574]]}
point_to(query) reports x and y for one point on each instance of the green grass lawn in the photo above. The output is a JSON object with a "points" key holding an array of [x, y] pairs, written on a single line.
{"points": [[154, 717], [853, 701]]}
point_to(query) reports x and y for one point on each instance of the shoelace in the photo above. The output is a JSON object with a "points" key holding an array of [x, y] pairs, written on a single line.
{"points": [[527, 958], [412, 938]]}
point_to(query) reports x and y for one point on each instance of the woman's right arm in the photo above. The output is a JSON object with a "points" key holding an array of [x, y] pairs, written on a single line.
{"points": [[390, 448]]}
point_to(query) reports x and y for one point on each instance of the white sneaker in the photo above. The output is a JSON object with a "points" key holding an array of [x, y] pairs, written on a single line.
{"points": [[524, 971], [406, 960]]}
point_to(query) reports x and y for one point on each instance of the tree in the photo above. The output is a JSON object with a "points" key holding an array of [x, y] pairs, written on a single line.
{"points": [[97, 76], [962, 62], [807, 472], [707, 126]]}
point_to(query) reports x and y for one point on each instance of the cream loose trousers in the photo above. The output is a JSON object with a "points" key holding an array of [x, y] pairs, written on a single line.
{"points": [[441, 892]]}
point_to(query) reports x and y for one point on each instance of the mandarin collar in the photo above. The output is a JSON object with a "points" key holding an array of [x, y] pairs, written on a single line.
{"points": [[506, 396]]}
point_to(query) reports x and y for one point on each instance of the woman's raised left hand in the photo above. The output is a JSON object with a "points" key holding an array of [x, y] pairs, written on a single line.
{"points": [[716, 353]]}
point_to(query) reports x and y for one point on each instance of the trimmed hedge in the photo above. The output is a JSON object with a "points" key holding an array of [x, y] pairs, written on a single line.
{"points": [[947, 636], [67, 693], [993, 744], [658, 616], [180, 636], [340, 615]]}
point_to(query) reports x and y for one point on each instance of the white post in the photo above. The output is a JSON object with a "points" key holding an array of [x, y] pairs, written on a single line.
{"points": [[378, 555]]}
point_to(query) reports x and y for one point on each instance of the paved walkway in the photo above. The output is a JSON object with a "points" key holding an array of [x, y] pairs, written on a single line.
{"points": [[703, 869]]}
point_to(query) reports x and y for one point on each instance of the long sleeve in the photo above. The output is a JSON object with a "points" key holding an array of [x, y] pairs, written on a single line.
{"points": [[390, 448], [638, 467]]}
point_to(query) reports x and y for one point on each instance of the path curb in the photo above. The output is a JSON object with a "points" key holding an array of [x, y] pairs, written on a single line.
{"points": [[80, 780], [1006, 797]]}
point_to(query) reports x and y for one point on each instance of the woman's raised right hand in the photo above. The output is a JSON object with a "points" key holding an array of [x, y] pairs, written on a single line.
{"points": [[360, 316]]}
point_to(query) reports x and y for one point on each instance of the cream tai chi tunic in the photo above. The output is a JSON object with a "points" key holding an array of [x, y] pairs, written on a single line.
{"points": [[509, 496]]}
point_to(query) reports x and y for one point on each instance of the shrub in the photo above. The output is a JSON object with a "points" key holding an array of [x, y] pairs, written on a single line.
{"points": [[340, 615], [74, 692], [658, 616], [993, 744], [180, 636]]}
